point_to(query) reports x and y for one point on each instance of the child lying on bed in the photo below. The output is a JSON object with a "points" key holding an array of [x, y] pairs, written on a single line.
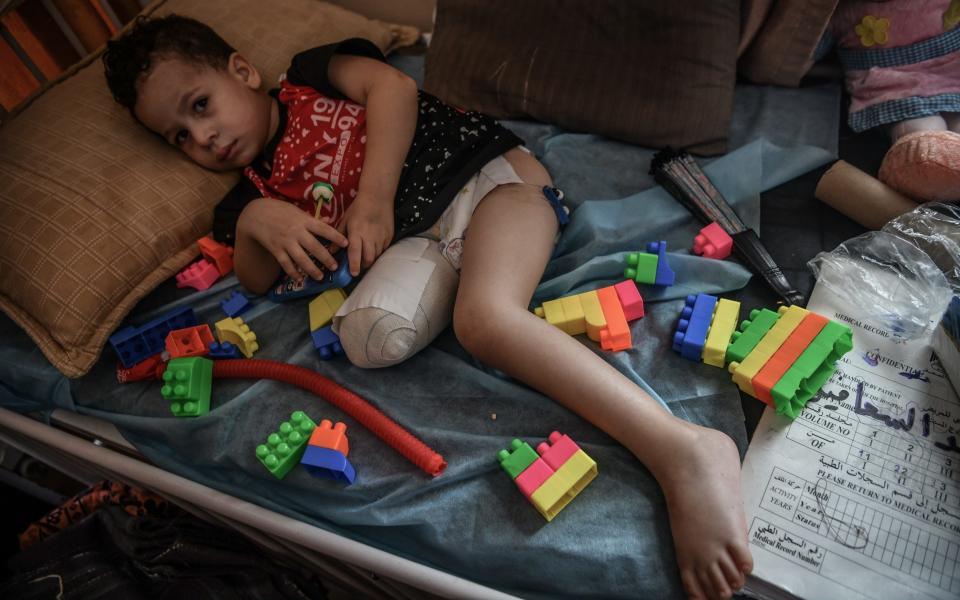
{"points": [[408, 175]]}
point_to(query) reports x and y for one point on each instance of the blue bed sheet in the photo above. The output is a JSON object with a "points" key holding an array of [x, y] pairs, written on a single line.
{"points": [[614, 539]]}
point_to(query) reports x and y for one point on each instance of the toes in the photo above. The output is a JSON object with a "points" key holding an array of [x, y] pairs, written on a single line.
{"points": [[721, 588], [733, 575], [741, 557], [706, 585], [691, 585]]}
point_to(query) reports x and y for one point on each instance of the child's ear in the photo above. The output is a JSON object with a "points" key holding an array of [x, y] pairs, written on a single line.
{"points": [[241, 68]]}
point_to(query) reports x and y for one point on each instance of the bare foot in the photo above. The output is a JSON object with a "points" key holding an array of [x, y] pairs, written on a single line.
{"points": [[702, 487]]}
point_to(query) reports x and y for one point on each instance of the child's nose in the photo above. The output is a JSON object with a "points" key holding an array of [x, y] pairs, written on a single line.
{"points": [[205, 135]]}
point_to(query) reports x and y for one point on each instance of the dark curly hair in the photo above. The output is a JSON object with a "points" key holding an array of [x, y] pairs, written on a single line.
{"points": [[129, 57]]}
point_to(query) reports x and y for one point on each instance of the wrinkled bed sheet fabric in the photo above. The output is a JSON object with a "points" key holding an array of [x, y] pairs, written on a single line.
{"points": [[614, 539]]}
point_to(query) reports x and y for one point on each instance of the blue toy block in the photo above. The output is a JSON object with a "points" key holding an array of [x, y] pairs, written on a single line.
{"points": [[326, 342], [665, 275], [694, 322], [135, 344], [224, 350], [288, 289], [329, 463], [235, 304]]}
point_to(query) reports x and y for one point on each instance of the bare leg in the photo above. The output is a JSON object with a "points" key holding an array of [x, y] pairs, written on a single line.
{"points": [[931, 123], [506, 249]]}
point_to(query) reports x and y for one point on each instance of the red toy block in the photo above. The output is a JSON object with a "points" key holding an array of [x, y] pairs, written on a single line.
{"points": [[147, 369], [630, 299], [330, 436], [713, 242], [533, 477], [191, 341], [199, 275], [219, 254], [788, 353], [616, 334], [558, 450]]}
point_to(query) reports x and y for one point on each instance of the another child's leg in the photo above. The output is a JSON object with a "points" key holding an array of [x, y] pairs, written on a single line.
{"points": [[931, 123], [507, 247]]}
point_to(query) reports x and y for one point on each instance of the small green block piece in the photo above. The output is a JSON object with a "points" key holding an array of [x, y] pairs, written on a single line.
{"points": [[641, 267], [751, 332], [186, 384], [285, 447], [518, 458], [812, 369]]}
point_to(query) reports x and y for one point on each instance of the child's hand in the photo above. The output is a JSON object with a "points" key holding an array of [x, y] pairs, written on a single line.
{"points": [[368, 226], [290, 235]]}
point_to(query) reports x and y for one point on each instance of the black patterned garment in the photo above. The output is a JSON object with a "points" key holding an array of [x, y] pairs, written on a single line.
{"points": [[449, 146]]}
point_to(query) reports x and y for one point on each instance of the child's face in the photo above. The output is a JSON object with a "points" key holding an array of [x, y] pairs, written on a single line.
{"points": [[219, 118]]}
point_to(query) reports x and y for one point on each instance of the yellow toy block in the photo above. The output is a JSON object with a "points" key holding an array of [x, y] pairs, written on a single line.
{"points": [[564, 485], [743, 373], [238, 333], [323, 307], [593, 314], [573, 313], [725, 318]]}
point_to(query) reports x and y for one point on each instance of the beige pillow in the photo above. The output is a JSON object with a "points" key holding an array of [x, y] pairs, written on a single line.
{"points": [[95, 211]]}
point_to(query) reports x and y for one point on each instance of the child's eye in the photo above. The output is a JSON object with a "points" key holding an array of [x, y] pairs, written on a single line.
{"points": [[180, 137], [200, 105]]}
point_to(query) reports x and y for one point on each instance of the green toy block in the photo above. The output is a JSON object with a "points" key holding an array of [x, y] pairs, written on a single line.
{"points": [[186, 383], [641, 267], [751, 332], [285, 447], [812, 369], [518, 458]]}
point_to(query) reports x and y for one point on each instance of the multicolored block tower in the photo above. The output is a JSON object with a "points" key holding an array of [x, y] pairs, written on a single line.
{"points": [[602, 314], [650, 267], [552, 476], [705, 327], [326, 453]]}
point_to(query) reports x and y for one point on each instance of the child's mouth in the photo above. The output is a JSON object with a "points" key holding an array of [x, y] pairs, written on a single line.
{"points": [[226, 152]]}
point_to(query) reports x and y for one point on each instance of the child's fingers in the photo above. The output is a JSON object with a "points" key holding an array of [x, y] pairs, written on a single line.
{"points": [[303, 262], [327, 232], [288, 267], [313, 247], [369, 252], [355, 254]]}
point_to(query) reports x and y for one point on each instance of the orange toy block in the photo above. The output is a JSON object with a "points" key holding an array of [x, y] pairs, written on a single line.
{"points": [[190, 341], [616, 334], [199, 275], [786, 355], [219, 254], [630, 299], [333, 437]]}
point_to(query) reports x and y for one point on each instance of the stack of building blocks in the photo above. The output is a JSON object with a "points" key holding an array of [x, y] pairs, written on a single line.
{"points": [[190, 341], [236, 304], [135, 344], [326, 453], [691, 334], [285, 447], [713, 242], [650, 267], [724, 323], [186, 384], [602, 314], [199, 275], [784, 358], [550, 477], [322, 308], [219, 254], [235, 331]]}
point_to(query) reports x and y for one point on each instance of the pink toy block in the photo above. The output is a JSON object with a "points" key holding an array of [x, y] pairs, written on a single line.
{"points": [[558, 450], [200, 275], [533, 477], [630, 299], [713, 242]]}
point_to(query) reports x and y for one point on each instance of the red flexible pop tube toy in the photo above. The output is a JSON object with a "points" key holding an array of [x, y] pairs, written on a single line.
{"points": [[368, 415]]}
